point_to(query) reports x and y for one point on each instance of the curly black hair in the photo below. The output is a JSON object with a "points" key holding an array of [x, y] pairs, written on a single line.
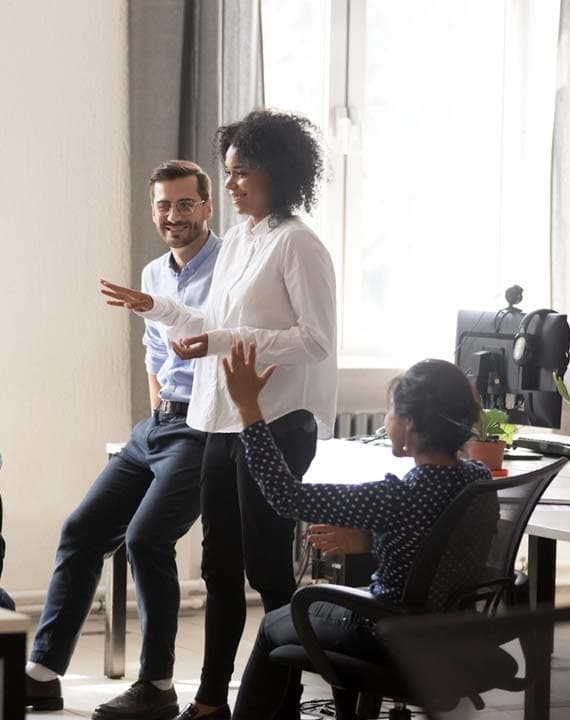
{"points": [[287, 147], [441, 402]]}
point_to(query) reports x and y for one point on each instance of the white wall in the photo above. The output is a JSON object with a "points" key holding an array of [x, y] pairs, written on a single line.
{"points": [[64, 198]]}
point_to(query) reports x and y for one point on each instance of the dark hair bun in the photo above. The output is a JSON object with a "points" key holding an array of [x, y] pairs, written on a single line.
{"points": [[439, 399]]}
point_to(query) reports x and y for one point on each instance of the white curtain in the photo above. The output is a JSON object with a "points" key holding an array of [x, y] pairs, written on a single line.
{"points": [[531, 30], [222, 80], [193, 65], [561, 170]]}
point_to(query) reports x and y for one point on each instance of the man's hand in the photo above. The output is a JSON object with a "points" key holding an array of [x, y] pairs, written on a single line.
{"points": [[127, 297], [190, 348], [333, 541]]}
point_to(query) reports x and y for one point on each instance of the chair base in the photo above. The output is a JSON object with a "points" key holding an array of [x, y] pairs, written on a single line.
{"points": [[400, 712]]}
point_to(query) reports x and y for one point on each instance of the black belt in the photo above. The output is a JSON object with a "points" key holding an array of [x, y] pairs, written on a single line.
{"points": [[173, 407]]}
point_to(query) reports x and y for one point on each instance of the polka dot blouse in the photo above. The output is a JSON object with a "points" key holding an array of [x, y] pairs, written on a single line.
{"points": [[399, 512]]}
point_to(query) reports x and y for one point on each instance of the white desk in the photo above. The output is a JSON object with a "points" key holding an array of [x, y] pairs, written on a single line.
{"points": [[13, 632], [344, 461]]}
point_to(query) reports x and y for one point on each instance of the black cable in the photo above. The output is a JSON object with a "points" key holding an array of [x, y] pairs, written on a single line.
{"points": [[319, 708], [324, 708]]}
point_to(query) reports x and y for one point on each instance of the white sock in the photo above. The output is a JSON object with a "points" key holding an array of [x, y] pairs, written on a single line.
{"points": [[39, 672], [162, 684]]}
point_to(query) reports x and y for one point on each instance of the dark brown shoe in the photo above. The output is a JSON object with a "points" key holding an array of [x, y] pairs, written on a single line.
{"points": [[142, 701], [43, 696], [190, 712]]}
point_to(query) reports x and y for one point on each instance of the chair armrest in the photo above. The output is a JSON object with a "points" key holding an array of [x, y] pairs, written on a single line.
{"points": [[359, 601]]}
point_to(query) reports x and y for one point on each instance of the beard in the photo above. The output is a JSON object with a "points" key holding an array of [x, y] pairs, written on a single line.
{"points": [[180, 235]]}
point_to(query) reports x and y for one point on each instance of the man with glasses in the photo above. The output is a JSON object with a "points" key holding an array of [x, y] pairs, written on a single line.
{"points": [[148, 495]]}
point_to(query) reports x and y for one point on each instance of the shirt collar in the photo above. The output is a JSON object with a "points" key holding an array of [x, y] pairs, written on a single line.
{"points": [[195, 262], [262, 227]]}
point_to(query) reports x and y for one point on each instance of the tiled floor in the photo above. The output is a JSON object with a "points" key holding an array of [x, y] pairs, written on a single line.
{"points": [[85, 685]]}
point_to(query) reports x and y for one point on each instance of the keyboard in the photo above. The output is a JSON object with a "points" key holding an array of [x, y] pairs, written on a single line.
{"points": [[546, 443]]}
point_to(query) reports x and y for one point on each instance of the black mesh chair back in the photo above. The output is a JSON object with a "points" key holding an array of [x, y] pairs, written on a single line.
{"points": [[459, 664], [452, 559], [474, 542], [517, 502]]}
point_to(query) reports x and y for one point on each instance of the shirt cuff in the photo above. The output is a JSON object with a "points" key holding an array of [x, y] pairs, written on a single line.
{"points": [[219, 342], [248, 434], [159, 307]]}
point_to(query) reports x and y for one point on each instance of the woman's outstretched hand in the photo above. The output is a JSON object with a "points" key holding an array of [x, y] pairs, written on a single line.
{"points": [[126, 297], [333, 541], [244, 384], [190, 348]]}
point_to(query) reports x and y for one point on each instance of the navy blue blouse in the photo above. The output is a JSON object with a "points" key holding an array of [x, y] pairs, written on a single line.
{"points": [[400, 512]]}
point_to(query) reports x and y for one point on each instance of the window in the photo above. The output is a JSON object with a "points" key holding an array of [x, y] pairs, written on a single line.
{"points": [[437, 118]]}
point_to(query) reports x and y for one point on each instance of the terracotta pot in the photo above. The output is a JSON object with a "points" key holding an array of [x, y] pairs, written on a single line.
{"points": [[490, 452]]}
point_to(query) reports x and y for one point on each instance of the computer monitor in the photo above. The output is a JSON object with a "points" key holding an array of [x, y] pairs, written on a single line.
{"points": [[484, 351]]}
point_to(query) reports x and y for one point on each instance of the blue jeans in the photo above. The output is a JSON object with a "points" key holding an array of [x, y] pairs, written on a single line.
{"points": [[148, 496]]}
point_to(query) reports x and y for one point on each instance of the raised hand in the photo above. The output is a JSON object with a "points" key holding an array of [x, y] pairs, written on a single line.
{"points": [[126, 297], [243, 382]]}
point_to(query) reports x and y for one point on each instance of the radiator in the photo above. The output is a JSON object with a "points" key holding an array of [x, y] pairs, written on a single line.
{"points": [[348, 424]]}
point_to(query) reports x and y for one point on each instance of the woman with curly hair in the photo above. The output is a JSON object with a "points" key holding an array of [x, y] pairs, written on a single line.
{"points": [[273, 286]]}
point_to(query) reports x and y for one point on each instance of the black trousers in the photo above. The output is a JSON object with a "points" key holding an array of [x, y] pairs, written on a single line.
{"points": [[149, 496], [265, 684], [243, 533]]}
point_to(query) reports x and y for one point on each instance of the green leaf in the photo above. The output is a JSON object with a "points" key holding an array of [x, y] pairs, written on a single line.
{"points": [[561, 387], [491, 422], [507, 433]]}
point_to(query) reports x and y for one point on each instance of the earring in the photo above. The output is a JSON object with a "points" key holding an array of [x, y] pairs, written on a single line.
{"points": [[404, 448]]}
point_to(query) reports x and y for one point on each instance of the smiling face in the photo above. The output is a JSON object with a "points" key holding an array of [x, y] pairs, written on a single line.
{"points": [[248, 188], [179, 213]]}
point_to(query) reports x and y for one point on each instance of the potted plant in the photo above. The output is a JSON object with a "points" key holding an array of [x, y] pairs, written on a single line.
{"points": [[494, 434]]}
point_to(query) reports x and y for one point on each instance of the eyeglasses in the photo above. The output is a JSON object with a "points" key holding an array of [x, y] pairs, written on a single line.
{"points": [[184, 207]]}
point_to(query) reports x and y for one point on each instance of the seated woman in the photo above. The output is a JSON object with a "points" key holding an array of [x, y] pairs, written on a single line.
{"points": [[432, 410]]}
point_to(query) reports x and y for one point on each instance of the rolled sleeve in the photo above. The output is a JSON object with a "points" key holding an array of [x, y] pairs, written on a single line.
{"points": [[220, 342]]}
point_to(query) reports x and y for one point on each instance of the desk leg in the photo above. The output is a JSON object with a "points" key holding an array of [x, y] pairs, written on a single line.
{"points": [[541, 571], [13, 654], [542, 586], [116, 614]]}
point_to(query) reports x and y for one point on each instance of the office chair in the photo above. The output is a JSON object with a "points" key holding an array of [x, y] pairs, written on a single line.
{"points": [[454, 656], [465, 563]]}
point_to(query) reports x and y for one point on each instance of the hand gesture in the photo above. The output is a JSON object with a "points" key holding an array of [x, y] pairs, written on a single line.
{"points": [[189, 348], [244, 384], [126, 297], [332, 540]]}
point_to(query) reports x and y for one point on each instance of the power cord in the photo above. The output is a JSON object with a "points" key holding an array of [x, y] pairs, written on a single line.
{"points": [[318, 708], [325, 708]]}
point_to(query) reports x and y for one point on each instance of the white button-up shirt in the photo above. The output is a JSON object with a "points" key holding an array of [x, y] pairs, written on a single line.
{"points": [[273, 285]]}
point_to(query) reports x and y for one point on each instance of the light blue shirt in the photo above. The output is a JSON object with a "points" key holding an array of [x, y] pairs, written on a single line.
{"points": [[190, 286]]}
